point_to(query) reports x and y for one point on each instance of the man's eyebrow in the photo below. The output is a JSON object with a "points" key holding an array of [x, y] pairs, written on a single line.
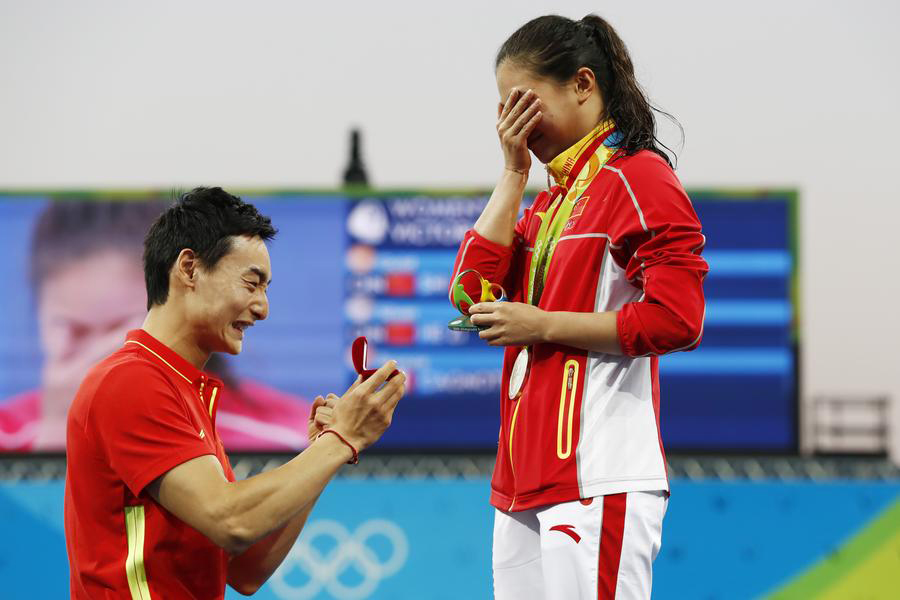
{"points": [[263, 276]]}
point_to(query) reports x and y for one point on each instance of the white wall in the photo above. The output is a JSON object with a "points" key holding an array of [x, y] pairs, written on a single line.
{"points": [[770, 93]]}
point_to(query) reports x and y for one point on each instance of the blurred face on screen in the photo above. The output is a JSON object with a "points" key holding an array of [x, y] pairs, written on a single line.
{"points": [[569, 110], [85, 308], [230, 297]]}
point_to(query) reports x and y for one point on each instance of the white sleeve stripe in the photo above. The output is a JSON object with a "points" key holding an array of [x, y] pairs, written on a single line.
{"points": [[630, 193], [583, 235], [640, 213], [700, 247], [697, 339]]}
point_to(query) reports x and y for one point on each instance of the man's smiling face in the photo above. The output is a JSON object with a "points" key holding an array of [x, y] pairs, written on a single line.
{"points": [[231, 296]]}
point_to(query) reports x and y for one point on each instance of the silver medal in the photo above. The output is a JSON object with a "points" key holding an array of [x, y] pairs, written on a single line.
{"points": [[517, 377]]}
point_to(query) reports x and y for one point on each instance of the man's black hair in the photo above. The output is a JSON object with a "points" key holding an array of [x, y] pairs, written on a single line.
{"points": [[205, 220]]}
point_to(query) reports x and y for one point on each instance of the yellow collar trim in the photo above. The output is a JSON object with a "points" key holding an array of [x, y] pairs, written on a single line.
{"points": [[560, 167], [167, 363]]}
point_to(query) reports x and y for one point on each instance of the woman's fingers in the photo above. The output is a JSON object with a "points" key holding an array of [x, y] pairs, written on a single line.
{"points": [[508, 122], [488, 314], [514, 95], [488, 334], [494, 335], [524, 118], [531, 124], [482, 307], [515, 114], [497, 309], [483, 319]]}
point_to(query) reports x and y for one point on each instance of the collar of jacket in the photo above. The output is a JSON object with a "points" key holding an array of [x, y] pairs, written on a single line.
{"points": [[560, 167]]}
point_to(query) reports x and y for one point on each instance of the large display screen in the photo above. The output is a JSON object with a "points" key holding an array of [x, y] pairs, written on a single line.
{"points": [[376, 265]]}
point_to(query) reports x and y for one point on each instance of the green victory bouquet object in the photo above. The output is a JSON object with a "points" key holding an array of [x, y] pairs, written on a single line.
{"points": [[490, 292]]}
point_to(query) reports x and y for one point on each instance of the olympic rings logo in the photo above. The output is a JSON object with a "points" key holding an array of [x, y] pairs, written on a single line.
{"points": [[346, 551]]}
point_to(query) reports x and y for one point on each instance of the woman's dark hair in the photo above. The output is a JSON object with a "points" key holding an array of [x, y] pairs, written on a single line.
{"points": [[204, 220], [556, 47]]}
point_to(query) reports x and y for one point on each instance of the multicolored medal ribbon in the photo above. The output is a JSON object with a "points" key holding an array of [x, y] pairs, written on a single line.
{"points": [[574, 171], [490, 292]]}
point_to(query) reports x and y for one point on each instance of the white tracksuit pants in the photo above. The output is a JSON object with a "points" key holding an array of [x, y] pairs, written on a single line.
{"points": [[598, 549]]}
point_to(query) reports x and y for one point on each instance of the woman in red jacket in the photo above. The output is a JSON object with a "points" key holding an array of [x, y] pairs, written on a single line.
{"points": [[603, 275]]}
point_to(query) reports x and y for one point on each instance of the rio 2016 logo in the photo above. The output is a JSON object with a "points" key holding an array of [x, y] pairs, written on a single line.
{"points": [[347, 550]]}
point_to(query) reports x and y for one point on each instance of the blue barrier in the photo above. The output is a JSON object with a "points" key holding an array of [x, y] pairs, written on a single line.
{"points": [[413, 539]]}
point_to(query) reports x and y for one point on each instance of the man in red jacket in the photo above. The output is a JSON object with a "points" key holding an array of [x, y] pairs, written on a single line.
{"points": [[152, 508]]}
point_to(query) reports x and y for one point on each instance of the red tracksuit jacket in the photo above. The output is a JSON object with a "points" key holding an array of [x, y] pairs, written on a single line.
{"points": [[586, 423]]}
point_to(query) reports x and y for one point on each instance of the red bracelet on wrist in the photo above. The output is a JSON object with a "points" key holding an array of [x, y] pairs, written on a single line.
{"points": [[355, 458]]}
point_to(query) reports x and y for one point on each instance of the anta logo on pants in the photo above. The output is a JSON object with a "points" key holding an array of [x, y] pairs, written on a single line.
{"points": [[569, 530]]}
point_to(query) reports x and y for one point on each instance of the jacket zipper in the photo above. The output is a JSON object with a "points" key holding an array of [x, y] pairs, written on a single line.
{"points": [[570, 376]]}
